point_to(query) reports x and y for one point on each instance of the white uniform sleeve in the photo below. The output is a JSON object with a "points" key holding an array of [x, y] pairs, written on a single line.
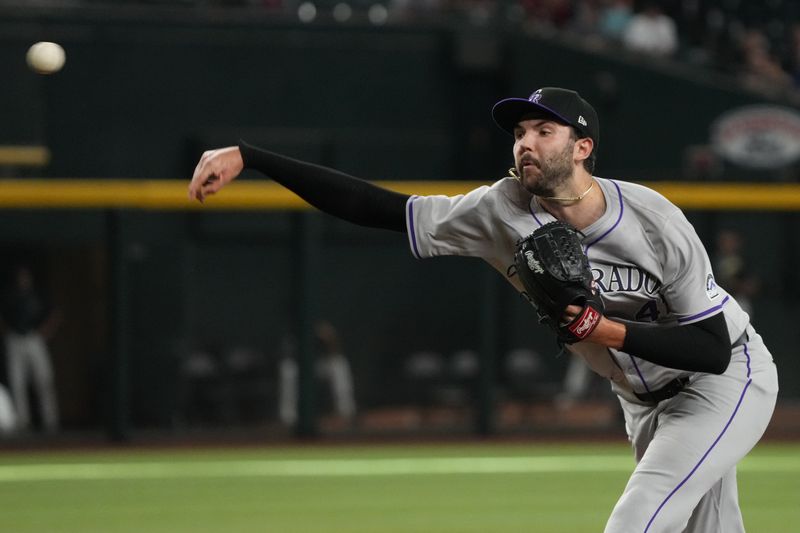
{"points": [[689, 287], [452, 225]]}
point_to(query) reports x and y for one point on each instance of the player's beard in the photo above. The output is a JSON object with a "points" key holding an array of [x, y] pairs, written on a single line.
{"points": [[554, 171]]}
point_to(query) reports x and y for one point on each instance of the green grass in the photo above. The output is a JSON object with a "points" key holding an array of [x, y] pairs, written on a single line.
{"points": [[379, 489]]}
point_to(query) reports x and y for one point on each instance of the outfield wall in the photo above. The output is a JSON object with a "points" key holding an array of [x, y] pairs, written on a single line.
{"points": [[144, 278], [142, 282]]}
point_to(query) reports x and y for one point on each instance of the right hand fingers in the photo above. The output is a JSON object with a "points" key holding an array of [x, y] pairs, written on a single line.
{"points": [[215, 169], [570, 313], [200, 176]]}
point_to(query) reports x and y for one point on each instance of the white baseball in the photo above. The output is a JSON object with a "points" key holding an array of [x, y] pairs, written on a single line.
{"points": [[45, 57]]}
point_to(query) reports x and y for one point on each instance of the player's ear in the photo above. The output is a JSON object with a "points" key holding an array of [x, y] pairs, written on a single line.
{"points": [[583, 149]]}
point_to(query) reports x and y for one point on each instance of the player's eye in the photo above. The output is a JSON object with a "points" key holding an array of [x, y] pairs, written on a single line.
{"points": [[519, 133]]}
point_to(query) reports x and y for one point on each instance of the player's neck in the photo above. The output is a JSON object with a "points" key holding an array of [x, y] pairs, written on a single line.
{"points": [[581, 205]]}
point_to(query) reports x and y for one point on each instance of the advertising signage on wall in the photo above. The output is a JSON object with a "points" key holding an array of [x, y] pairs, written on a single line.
{"points": [[758, 136]]}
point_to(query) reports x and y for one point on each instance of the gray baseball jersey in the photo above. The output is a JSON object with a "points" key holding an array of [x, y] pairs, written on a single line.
{"points": [[649, 266]]}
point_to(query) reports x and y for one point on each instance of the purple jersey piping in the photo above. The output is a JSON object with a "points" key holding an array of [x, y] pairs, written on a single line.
{"points": [[747, 353], [706, 312], [641, 377], [534, 214], [736, 410], [619, 218], [411, 229], [621, 209]]}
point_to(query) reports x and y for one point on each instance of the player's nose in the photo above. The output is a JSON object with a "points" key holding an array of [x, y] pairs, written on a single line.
{"points": [[526, 140], [525, 144]]}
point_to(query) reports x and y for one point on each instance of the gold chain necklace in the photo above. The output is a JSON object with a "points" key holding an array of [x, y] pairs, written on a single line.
{"points": [[569, 198]]}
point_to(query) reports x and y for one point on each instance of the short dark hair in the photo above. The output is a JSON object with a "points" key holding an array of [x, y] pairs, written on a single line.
{"points": [[590, 161]]}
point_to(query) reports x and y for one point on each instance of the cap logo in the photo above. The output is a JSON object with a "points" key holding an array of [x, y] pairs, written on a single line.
{"points": [[535, 97], [582, 121]]}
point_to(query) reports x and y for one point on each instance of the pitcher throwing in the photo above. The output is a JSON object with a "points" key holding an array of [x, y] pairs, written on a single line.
{"points": [[695, 380]]}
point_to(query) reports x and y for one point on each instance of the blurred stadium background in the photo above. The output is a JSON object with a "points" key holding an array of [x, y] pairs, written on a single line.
{"points": [[175, 320]]}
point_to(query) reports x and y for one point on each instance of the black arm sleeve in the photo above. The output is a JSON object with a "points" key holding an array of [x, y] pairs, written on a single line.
{"points": [[699, 347], [338, 194]]}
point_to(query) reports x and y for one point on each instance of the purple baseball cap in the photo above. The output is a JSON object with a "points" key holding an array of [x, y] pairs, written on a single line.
{"points": [[563, 105]]}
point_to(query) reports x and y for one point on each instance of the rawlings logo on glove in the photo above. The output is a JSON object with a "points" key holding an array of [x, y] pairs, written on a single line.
{"points": [[555, 273], [533, 264]]}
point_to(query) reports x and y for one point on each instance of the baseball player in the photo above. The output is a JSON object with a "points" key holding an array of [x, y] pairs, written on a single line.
{"points": [[695, 380]]}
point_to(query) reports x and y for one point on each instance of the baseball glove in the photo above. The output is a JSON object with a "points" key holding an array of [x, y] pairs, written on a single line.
{"points": [[555, 273]]}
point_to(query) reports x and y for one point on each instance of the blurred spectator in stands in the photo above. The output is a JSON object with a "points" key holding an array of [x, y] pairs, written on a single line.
{"points": [[651, 32], [556, 14], [28, 323], [731, 270], [408, 10], [701, 163], [586, 19], [331, 366], [793, 54], [758, 68], [615, 18]]}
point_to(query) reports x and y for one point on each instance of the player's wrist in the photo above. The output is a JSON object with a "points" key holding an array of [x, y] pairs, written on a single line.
{"points": [[609, 333], [245, 152]]}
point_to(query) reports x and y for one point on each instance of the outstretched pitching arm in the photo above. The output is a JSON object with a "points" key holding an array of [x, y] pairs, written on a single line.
{"points": [[336, 193]]}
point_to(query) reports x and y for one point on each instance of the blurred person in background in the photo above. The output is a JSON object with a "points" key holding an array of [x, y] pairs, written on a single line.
{"points": [[614, 19], [652, 32], [793, 54], [28, 323], [8, 417], [331, 366], [548, 13], [757, 67], [731, 270], [575, 385]]}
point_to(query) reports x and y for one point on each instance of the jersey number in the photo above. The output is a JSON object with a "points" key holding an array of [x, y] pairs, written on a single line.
{"points": [[648, 312]]}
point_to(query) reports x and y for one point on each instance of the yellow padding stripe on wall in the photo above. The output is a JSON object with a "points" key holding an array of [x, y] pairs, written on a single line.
{"points": [[260, 195]]}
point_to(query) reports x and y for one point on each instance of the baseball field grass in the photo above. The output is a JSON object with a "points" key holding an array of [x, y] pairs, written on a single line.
{"points": [[481, 487]]}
